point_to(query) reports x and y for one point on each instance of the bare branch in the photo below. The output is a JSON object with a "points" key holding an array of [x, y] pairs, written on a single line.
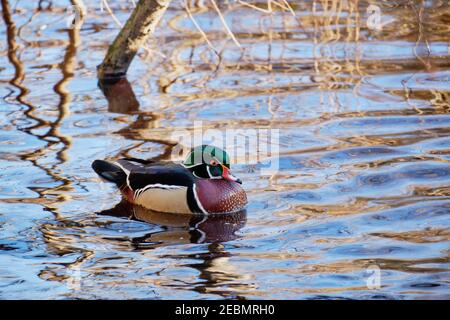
{"points": [[225, 23], [132, 37]]}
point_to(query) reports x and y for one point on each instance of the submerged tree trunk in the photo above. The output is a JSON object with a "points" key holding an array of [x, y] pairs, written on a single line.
{"points": [[133, 35]]}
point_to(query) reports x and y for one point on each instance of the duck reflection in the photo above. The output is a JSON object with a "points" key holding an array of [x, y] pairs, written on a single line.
{"points": [[180, 228], [219, 274]]}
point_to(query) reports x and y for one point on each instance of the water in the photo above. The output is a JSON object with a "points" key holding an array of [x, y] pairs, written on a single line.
{"points": [[364, 180]]}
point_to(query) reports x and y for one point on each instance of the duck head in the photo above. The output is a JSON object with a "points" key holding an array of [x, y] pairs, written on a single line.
{"points": [[209, 162]]}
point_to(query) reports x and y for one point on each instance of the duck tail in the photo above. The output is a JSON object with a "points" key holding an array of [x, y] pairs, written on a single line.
{"points": [[110, 172]]}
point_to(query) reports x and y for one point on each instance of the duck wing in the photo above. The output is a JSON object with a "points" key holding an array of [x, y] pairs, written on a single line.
{"points": [[157, 174]]}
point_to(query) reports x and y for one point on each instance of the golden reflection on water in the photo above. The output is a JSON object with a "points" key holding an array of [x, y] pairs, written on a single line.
{"points": [[364, 174]]}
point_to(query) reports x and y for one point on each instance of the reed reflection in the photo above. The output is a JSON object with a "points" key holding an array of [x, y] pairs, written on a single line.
{"points": [[50, 195]]}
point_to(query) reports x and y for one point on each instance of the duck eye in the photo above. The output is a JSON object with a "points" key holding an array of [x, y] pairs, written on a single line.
{"points": [[213, 163]]}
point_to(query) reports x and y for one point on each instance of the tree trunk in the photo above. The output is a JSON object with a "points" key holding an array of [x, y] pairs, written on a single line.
{"points": [[133, 35]]}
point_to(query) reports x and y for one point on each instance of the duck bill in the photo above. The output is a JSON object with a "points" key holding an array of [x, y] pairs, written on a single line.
{"points": [[228, 176]]}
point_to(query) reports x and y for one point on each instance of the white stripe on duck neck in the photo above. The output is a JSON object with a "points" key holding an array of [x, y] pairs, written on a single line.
{"points": [[199, 204]]}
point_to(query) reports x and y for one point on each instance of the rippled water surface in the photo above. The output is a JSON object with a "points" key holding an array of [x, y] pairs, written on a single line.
{"points": [[364, 179]]}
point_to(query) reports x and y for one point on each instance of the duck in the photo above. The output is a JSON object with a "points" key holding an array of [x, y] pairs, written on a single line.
{"points": [[201, 184]]}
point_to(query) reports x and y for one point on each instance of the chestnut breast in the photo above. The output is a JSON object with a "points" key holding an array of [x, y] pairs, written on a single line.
{"points": [[220, 196]]}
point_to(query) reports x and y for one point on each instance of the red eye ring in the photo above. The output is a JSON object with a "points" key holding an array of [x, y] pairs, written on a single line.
{"points": [[213, 163]]}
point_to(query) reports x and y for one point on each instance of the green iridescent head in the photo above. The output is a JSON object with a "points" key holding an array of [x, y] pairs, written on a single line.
{"points": [[209, 162]]}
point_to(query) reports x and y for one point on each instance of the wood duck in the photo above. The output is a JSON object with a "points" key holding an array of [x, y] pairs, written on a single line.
{"points": [[202, 183]]}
